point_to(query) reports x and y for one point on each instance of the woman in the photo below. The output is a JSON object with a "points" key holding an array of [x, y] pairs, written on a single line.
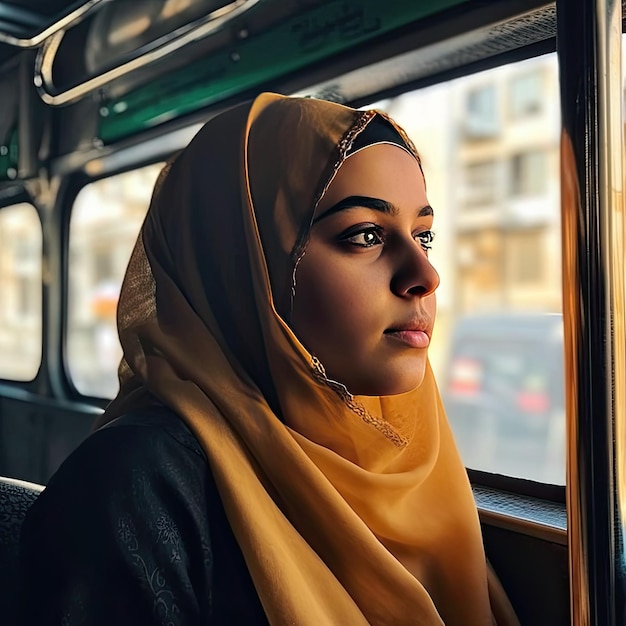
{"points": [[278, 451]]}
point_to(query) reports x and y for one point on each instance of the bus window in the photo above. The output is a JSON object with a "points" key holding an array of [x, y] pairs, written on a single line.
{"points": [[490, 151], [20, 292], [105, 221]]}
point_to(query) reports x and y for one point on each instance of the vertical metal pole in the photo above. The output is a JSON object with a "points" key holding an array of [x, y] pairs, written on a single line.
{"points": [[589, 36]]}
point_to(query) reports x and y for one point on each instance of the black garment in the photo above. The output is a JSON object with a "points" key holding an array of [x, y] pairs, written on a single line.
{"points": [[131, 531]]}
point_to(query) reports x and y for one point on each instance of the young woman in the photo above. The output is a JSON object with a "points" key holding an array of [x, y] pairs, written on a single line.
{"points": [[278, 452]]}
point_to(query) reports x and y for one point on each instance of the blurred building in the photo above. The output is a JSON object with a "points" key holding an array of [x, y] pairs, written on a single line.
{"points": [[20, 292], [507, 223]]}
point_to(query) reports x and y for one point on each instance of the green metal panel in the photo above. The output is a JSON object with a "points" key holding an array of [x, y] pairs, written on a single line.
{"points": [[290, 46]]}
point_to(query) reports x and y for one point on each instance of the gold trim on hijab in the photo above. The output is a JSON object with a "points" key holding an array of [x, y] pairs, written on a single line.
{"points": [[343, 517]]}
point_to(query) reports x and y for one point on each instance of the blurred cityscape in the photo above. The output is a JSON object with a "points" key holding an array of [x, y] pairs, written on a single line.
{"points": [[20, 292], [106, 219]]}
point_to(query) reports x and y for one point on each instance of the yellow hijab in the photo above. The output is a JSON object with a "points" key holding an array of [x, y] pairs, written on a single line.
{"points": [[347, 510]]}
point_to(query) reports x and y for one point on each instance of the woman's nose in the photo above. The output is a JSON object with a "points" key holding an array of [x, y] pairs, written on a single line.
{"points": [[415, 274]]}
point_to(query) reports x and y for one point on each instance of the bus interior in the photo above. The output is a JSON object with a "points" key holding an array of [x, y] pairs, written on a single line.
{"points": [[95, 95]]}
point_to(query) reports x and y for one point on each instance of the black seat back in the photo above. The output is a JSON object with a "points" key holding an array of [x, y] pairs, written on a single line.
{"points": [[16, 496]]}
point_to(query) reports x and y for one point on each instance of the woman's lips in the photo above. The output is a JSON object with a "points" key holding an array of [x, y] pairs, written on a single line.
{"points": [[412, 338]]}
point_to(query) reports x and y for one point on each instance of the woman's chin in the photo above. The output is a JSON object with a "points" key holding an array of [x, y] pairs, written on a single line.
{"points": [[405, 384]]}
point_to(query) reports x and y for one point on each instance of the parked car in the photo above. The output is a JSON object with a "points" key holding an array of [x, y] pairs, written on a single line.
{"points": [[504, 394]]}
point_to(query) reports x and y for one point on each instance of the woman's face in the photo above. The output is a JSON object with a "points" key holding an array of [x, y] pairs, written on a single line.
{"points": [[365, 289]]}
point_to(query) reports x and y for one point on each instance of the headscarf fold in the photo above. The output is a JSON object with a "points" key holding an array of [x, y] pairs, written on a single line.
{"points": [[348, 510]]}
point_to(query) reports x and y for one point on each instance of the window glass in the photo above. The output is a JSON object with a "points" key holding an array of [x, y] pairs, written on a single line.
{"points": [[498, 342], [105, 222], [20, 292]]}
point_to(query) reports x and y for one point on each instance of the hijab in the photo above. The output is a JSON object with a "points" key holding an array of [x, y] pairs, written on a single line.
{"points": [[348, 510]]}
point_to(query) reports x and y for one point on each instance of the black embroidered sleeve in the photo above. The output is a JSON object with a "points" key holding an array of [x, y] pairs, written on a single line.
{"points": [[120, 536]]}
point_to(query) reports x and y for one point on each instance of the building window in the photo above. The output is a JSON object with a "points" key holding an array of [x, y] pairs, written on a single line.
{"points": [[529, 175], [481, 118], [526, 259], [480, 184], [481, 102], [526, 95]]}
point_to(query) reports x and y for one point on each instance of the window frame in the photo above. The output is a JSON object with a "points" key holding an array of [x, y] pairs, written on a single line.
{"points": [[74, 178], [77, 181]]}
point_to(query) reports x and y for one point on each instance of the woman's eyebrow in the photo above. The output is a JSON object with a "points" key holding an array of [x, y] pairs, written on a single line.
{"points": [[359, 201], [375, 204]]}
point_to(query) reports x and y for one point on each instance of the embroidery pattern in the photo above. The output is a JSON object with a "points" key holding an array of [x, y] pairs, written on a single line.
{"points": [[363, 119], [168, 533], [379, 424], [164, 601]]}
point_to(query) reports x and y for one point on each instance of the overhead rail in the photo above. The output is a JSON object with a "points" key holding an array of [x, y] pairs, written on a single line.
{"points": [[143, 56], [74, 15]]}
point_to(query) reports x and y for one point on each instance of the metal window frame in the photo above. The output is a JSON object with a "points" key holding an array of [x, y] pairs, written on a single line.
{"points": [[589, 34], [142, 57]]}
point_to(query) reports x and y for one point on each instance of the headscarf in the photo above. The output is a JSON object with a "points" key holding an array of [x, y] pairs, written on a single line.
{"points": [[348, 510]]}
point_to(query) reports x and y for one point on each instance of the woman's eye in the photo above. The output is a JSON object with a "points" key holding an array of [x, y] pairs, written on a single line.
{"points": [[425, 238], [365, 238]]}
